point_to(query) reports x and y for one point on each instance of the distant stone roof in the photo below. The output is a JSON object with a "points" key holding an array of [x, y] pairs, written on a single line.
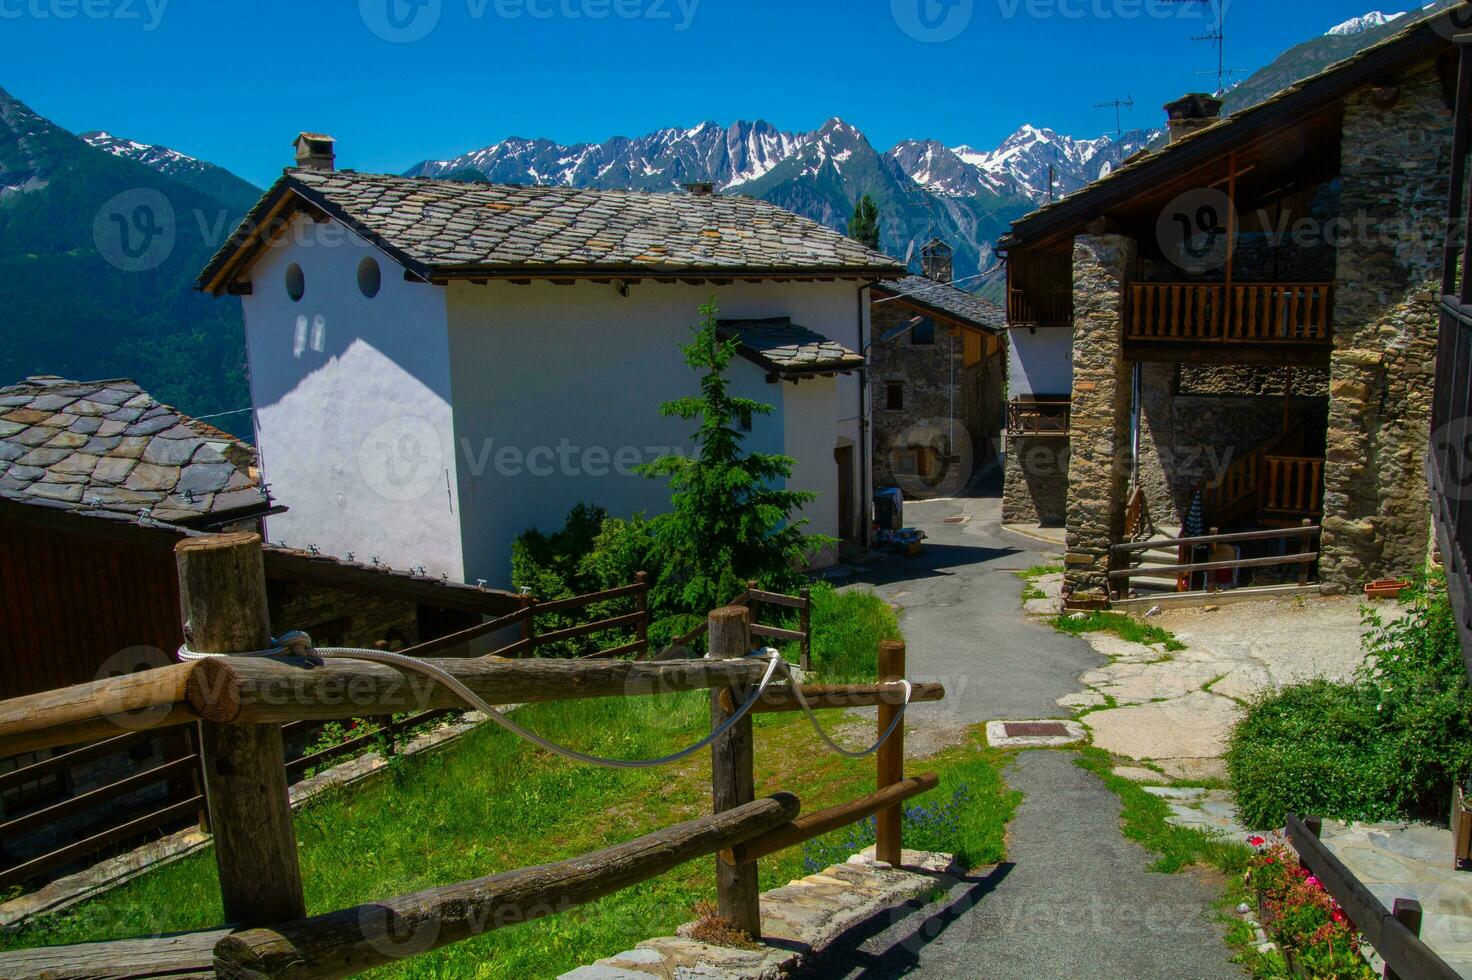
{"points": [[442, 229], [784, 347], [945, 299], [109, 445]]}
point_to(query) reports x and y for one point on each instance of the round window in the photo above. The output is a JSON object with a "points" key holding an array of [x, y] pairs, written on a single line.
{"points": [[370, 278], [296, 282]]}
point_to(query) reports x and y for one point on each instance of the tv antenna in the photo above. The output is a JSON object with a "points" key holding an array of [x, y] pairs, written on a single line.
{"points": [[1224, 75], [1117, 104], [1217, 36]]}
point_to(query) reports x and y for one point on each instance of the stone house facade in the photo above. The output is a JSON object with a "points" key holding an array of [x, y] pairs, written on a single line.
{"points": [[937, 374], [1251, 320]]}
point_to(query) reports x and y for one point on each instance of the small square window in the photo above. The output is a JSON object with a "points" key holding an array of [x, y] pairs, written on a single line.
{"points": [[923, 333], [894, 396]]}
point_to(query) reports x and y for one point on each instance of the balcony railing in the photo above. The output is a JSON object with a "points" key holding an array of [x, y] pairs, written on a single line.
{"points": [[1038, 306], [1254, 313], [1029, 416]]}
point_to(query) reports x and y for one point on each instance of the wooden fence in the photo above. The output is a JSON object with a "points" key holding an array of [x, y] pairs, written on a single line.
{"points": [[1305, 558], [754, 598], [161, 792], [1258, 312], [1395, 933], [241, 703]]}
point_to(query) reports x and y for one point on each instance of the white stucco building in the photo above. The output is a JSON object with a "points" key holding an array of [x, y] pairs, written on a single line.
{"points": [[437, 367]]}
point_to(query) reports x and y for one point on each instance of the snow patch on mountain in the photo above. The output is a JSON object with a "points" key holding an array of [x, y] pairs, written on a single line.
{"points": [[1362, 23], [160, 158]]}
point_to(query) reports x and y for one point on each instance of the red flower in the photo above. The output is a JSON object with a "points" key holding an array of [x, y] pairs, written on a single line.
{"points": [[1256, 841]]}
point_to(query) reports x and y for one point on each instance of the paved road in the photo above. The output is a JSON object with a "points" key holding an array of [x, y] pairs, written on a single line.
{"points": [[1076, 900]]}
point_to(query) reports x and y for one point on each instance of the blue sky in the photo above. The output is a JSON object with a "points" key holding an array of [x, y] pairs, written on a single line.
{"points": [[232, 81]]}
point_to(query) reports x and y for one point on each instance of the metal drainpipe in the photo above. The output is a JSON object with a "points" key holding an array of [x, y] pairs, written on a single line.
{"points": [[1135, 405]]}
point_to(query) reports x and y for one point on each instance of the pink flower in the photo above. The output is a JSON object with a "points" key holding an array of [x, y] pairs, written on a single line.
{"points": [[1256, 841], [1311, 880]]}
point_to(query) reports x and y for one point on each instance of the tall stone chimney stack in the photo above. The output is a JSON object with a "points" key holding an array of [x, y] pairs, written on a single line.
{"points": [[1191, 113], [936, 261], [315, 151]]}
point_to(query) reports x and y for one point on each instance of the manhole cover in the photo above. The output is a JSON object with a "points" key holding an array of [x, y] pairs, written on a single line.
{"points": [[954, 520], [1029, 729]]}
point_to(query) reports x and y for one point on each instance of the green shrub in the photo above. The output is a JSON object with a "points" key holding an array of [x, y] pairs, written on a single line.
{"points": [[1390, 743]]}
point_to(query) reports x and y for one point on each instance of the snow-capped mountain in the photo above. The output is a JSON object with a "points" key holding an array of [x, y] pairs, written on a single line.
{"points": [[1362, 23], [1021, 164], [199, 174], [662, 160]]}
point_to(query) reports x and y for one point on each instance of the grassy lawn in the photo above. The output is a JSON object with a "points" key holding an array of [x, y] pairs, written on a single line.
{"points": [[1124, 626], [490, 803]]}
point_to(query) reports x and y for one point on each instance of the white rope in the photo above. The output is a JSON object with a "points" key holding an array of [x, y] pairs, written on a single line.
{"points": [[297, 643]]}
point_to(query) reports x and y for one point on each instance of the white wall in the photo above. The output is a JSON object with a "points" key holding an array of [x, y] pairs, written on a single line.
{"points": [[352, 399], [556, 386], [810, 428], [1040, 362]]}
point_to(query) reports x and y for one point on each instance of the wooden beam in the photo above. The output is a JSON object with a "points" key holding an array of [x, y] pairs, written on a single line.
{"points": [[148, 699], [240, 289], [890, 759], [185, 955], [832, 696], [349, 941], [1217, 566], [733, 784], [811, 825], [222, 592], [256, 690]]}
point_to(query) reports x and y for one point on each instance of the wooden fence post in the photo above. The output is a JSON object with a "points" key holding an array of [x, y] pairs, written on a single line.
{"points": [[529, 628], [732, 781], [641, 606], [1407, 911], [805, 624], [1305, 543], [888, 844], [222, 590]]}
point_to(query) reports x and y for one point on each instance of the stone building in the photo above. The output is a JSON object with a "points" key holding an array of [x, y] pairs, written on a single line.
{"points": [[1250, 319], [936, 369]]}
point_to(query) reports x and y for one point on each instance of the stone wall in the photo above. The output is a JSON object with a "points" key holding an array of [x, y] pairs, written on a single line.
{"points": [[1036, 481], [1395, 161], [336, 618], [937, 383], [1100, 432]]}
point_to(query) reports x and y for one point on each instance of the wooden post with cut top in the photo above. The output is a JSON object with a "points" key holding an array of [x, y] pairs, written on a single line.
{"points": [[222, 591], [732, 781], [805, 624], [641, 606], [1406, 911], [891, 756]]}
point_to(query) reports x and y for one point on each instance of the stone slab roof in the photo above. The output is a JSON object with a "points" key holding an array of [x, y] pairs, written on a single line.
{"points": [[946, 300], [1423, 36], [784, 347], [109, 445], [442, 229]]}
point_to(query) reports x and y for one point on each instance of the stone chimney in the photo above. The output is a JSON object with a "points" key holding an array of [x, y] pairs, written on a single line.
{"points": [[1191, 113], [935, 261], [701, 188], [315, 151]]}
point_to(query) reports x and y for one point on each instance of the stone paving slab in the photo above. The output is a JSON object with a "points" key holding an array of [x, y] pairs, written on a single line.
{"points": [[799, 920], [998, 738]]}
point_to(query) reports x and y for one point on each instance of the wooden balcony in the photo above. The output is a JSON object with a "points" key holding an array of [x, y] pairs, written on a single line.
{"points": [[1028, 415], [1040, 307], [1232, 318]]}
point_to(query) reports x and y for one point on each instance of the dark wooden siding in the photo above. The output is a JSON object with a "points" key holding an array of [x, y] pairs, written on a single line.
{"points": [[70, 601]]}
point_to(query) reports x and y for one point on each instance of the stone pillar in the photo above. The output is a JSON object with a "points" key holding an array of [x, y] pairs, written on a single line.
{"points": [[1098, 467], [1395, 161]]}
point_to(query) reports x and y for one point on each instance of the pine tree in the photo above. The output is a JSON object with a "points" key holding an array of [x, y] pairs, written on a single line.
{"points": [[864, 225], [731, 522]]}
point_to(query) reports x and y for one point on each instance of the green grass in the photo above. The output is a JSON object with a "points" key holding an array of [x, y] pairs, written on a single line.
{"points": [[1144, 820], [1124, 626], [1030, 576], [846, 628], [490, 803]]}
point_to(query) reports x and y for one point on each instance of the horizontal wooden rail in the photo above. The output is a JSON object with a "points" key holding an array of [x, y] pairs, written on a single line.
{"points": [[91, 845], [98, 709], [1305, 558], [811, 825], [1402, 950], [466, 635], [349, 941], [1287, 532], [85, 801], [777, 598], [825, 696], [176, 957], [776, 632], [66, 760], [582, 601], [599, 626], [617, 651]]}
